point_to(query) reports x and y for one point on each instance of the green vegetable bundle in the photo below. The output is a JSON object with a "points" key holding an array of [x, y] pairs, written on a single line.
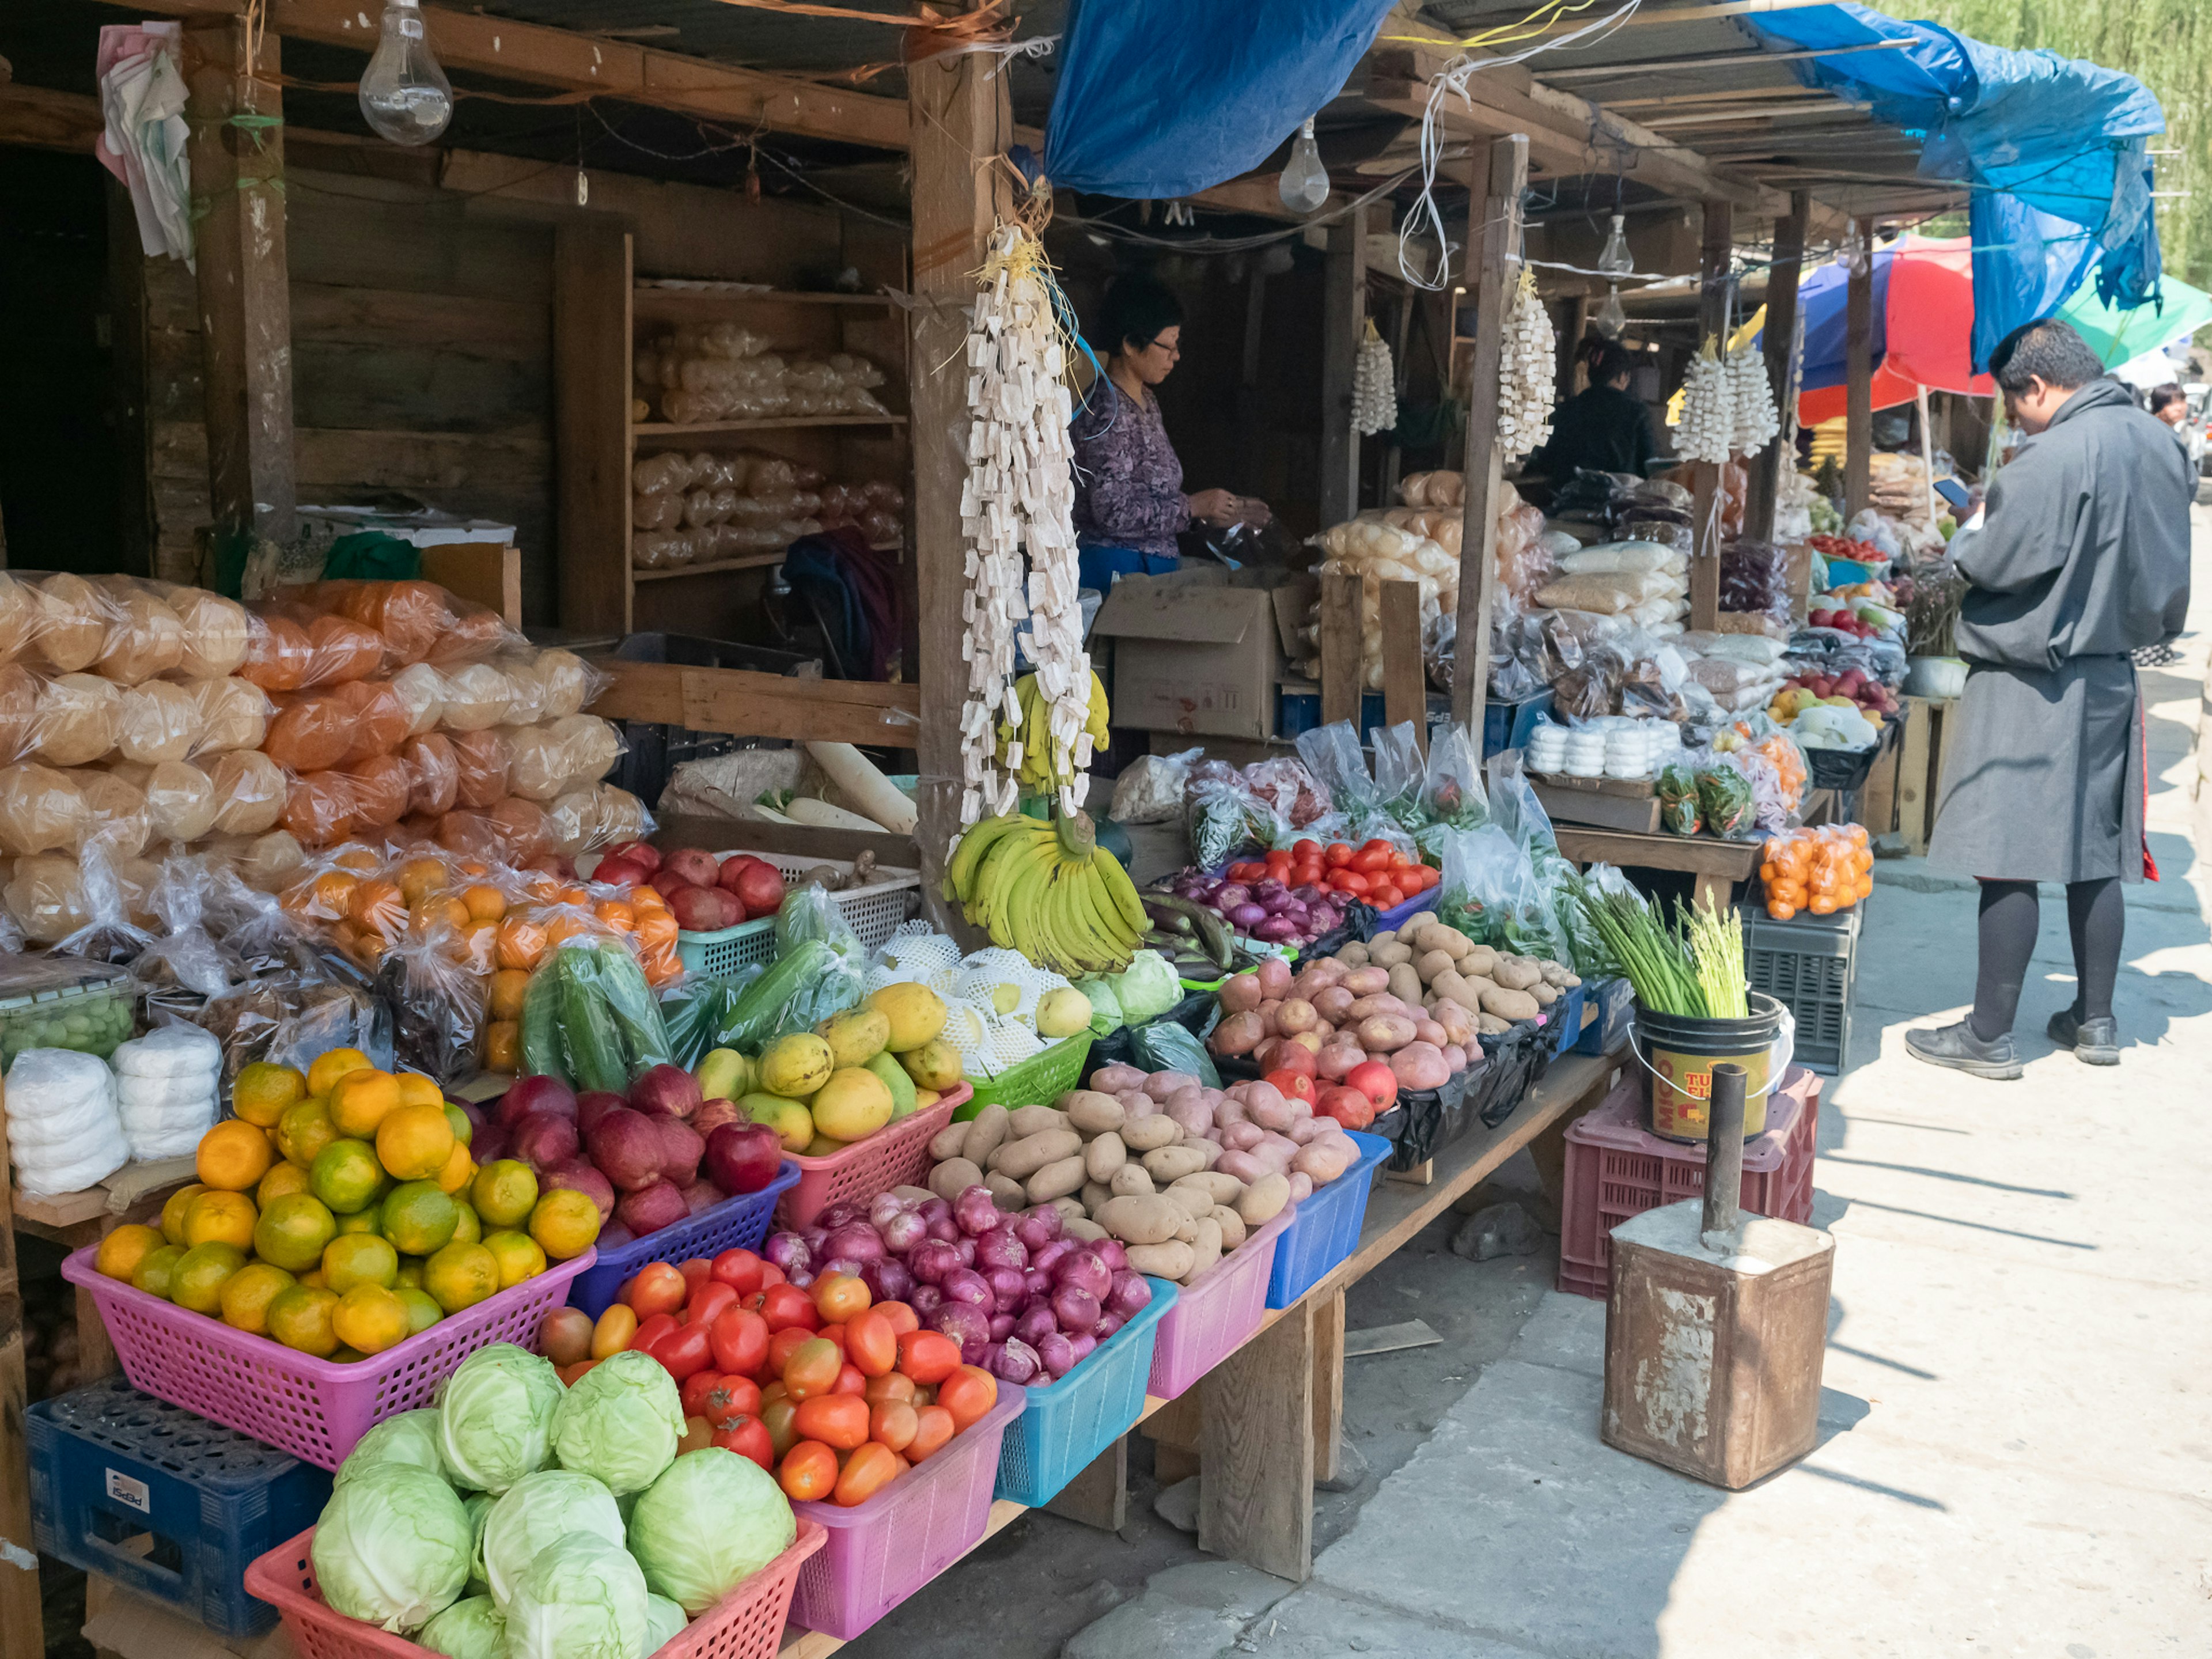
{"points": [[589, 1017], [1694, 970]]}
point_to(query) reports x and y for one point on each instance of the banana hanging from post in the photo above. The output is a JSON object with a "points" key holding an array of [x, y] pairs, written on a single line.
{"points": [[1046, 889], [1042, 768]]}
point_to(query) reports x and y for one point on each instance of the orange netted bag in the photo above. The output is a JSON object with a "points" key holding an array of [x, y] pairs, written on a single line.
{"points": [[411, 615], [380, 790], [379, 714], [343, 650], [311, 732], [434, 775], [278, 653], [482, 759], [318, 808]]}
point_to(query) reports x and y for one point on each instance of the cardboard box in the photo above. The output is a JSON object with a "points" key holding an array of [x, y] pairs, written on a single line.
{"points": [[1197, 653]]}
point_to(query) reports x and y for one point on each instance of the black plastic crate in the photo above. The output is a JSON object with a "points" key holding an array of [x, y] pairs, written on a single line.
{"points": [[1807, 963]]}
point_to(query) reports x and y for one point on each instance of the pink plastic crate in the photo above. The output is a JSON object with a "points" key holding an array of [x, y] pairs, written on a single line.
{"points": [[1616, 1170], [883, 1550], [895, 1154], [315, 1409], [746, 1624], [1210, 1318]]}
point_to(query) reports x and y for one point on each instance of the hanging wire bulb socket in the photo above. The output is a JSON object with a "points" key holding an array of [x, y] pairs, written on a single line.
{"points": [[1616, 260], [1611, 317], [1305, 182], [405, 95]]}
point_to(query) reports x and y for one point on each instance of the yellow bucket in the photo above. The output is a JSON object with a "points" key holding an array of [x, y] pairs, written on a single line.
{"points": [[1678, 1054]]}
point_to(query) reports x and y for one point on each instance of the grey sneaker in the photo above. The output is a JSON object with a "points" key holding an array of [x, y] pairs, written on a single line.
{"points": [[2094, 1042], [1959, 1048]]}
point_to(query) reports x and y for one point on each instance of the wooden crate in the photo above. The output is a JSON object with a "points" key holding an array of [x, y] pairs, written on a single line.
{"points": [[1920, 760], [1607, 802]]}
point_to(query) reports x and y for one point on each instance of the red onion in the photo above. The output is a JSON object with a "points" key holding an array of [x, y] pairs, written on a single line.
{"points": [[839, 1264], [888, 1280], [1017, 1362], [1002, 1327], [1109, 1251], [883, 1207], [944, 1226], [930, 1208], [1038, 1227], [1307, 894], [1058, 1353], [800, 1278], [1076, 1310], [1130, 1294], [1246, 916], [966, 1324], [1230, 894], [931, 1260], [992, 1350], [966, 1285], [1037, 1282], [925, 1300], [1109, 1322], [788, 1251], [856, 1241], [903, 1232], [816, 1237], [1049, 1256], [1084, 1270], [975, 1210], [965, 1246], [1083, 1342], [838, 1215], [1009, 1288], [1001, 1248], [1276, 930], [1034, 1323], [1276, 902]]}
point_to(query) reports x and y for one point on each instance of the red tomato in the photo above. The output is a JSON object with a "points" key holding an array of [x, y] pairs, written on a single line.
{"points": [[1276, 855], [732, 1396], [658, 1289], [869, 1469], [740, 1340], [893, 1423], [695, 1271], [840, 1420], [1350, 881], [967, 1393], [903, 1318], [1375, 1080], [708, 1302], [838, 1296], [1244, 870], [886, 1390], [872, 1343], [1335, 853], [773, 1390], [785, 1343], [1346, 1105], [778, 1418], [808, 1471], [1384, 897], [568, 1374], [1373, 858], [1377, 844], [686, 1351], [1305, 848], [811, 1369], [738, 1269], [696, 1387], [850, 1380], [748, 1436], [928, 1356], [771, 1274], [835, 1334], [1293, 1085], [653, 1329], [932, 1427], [786, 1305]]}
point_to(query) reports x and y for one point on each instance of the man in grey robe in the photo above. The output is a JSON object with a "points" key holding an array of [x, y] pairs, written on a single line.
{"points": [[2084, 558]]}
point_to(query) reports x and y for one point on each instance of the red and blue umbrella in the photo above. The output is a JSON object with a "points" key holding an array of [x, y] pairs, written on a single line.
{"points": [[1924, 327]]}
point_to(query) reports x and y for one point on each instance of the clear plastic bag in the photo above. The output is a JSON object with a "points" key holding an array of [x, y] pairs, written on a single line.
{"points": [[481, 760], [1298, 798], [310, 732], [381, 786], [697, 1011], [78, 720], [1755, 580], [437, 1006], [318, 808], [1332, 756], [216, 630], [70, 628], [1726, 801], [42, 810], [1223, 814], [250, 792], [434, 775], [19, 712], [145, 638], [1166, 1046], [180, 800], [1399, 773], [1679, 813], [115, 810], [584, 819], [1151, 789], [234, 714]]}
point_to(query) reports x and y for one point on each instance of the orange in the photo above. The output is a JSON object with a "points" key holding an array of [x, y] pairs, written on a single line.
{"points": [[315, 1281], [411, 1274], [644, 900], [474, 868], [122, 1250], [370, 1318], [201, 1275], [299, 1318], [414, 1142], [485, 903], [507, 986], [264, 1090], [420, 878], [505, 1192], [615, 915], [458, 1120], [347, 1177], [656, 929], [502, 1046], [353, 856], [233, 1156], [461, 1275], [578, 896], [370, 950], [422, 1311], [247, 1293], [540, 885], [173, 1211], [461, 1170], [361, 1101], [418, 1218], [564, 1223], [220, 1217], [294, 1231], [331, 1066], [354, 1259], [283, 1179], [416, 1090], [304, 1130], [568, 925], [377, 906], [432, 913], [327, 897], [519, 1256], [156, 1273], [521, 943], [365, 1219], [468, 1227]]}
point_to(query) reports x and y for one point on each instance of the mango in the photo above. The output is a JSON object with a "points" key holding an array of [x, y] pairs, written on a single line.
{"points": [[853, 1103], [724, 1074], [916, 1011], [794, 1067], [793, 1123], [821, 1146], [856, 1035], [935, 1065], [903, 1100]]}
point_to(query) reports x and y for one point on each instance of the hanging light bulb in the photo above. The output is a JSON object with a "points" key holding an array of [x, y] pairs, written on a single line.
{"points": [[1854, 250], [1305, 182], [1616, 261], [1611, 318], [405, 95]]}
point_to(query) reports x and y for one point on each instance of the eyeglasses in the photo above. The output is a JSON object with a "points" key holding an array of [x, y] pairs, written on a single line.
{"points": [[1155, 344]]}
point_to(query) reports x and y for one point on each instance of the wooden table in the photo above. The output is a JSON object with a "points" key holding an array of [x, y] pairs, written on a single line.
{"points": [[1717, 864]]}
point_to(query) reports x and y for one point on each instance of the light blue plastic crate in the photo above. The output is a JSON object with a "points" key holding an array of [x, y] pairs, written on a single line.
{"points": [[735, 1223], [1325, 1228], [1065, 1425]]}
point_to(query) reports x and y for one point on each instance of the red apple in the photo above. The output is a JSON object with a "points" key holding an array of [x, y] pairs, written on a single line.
{"points": [[701, 1195], [620, 872], [668, 884], [670, 1091], [1346, 1105], [695, 867], [705, 909], [1374, 1079], [734, 866], [533, 1094], [713, 1113], [651, 1208], [743, 1157], [592, 1106], [542, 1139], [644, 854], [626, 1147], [574, 1175]]}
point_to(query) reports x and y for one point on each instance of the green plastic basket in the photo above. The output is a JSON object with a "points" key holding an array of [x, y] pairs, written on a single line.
{"points": [[1037, 1081]]}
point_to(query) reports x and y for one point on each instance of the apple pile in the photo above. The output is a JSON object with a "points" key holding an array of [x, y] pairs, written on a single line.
{"points": [[704, 897], [649, 1158], [1853, 686], [1843, 621]]}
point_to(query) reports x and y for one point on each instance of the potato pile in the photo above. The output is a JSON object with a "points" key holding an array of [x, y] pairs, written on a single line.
{"points": [[1432, 965], [1180, 1173]]}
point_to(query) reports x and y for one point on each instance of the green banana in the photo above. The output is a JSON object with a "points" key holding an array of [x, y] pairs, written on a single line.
{"points": [[967, 856]]}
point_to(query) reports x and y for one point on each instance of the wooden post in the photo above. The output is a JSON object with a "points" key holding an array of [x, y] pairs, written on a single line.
{"points": [[1405, 680], [236, 151], [1344, 313], [1342, 683], [1495, 184], [960, 120], [1859, 375], [1328, 1384], [1712, 319], [592, 393], [1927, 456], [1781, 343], [1576, 377], [22, 1628], [1256, 1447]]}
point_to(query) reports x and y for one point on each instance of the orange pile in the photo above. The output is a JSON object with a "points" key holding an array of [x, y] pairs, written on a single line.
{"points": [[1822, 871]]}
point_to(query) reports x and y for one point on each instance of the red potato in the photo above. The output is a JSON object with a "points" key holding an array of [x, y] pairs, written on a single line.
{"points": [[1244, 1166], [1455, 1057], [1239, 1034], [1161, 1084], [1311, 982], [1307, 1130], [1428, 1031], [1242, 1137], [1421, 1065], [1240, 993], [1301, 1187], [1337, 1059], [1264, 1051], [1112, 1079], [1269, 1113], [1295, 1015], [1325, 1159], [1270, 1016], [1137, 1104], [1332, 1004], [1385, 1033], [1275, 975], [1229, 1111], [1261, 1097], [1364, 981], [1277, 1150], [1299, 1054]]}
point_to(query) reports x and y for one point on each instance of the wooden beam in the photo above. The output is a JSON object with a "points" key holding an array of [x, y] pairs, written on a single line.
{"points": [[1495, 186], [237, 155], [1781, 351], [1327, 1383], [1342, 683], [1405, 677], [38, 117], [1698, 12], [1859, 375], [1256, 1447], [1712, 319], [1639, 68], [590, 394], [1344, 309], [745, 703]]}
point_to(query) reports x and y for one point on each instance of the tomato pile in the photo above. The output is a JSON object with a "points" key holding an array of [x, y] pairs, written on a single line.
{"points": [[1374, 871], [833, 1393]]}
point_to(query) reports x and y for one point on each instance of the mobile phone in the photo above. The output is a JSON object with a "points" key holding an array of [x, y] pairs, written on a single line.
{"points": [[1954, 492]]}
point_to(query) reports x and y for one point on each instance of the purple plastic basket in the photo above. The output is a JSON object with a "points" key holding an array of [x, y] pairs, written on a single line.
{"points": [[883, 1550], [1212, 1317], [315, 1409], [735, 1223]]}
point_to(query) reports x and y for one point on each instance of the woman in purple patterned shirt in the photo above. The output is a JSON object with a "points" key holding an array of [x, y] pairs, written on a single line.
{"points": [[1130, 500]]}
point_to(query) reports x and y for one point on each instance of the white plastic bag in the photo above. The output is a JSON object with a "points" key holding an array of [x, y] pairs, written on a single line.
{"points": [[64, 1132], [165, 1089]]}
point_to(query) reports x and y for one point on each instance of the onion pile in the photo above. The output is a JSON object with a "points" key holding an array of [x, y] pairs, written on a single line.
{"points": [[1265, 910], [1022, 1301]]}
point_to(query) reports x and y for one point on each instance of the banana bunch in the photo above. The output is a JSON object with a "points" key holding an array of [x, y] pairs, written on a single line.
{"points": [[1046, 889], [1034, 766]]}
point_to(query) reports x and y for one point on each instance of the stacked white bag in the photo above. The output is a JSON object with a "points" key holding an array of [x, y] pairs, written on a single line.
{"points": [[64, 1132], [165, 1085]]}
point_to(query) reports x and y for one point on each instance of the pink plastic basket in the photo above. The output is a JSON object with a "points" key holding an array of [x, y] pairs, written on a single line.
{"points": [[896, 1154], [883, 1550], [746, 1624], [1210, 1318], [315, 1409]]}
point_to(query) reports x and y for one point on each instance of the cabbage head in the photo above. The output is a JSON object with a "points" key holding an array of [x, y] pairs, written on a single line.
{"points": [[663, 1622], [392, 1547], [536, 1510], [409, 1437], [582, 1598], [478, 1504], [495, 1415], [470, 1629], [620, 1423], [711, 1519], [1146, 988]]}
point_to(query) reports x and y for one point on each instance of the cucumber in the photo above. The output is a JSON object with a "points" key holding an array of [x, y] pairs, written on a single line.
{"points": [[629, 1001], [754, 1017], [542, 1051], [595, 1048]]}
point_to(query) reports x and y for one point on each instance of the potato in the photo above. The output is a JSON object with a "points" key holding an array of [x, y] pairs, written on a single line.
{"points": [[1208, 1150], [1435, 936], [1383, 936], [1296, 1015], [1385, 1032], [1467, 992], [1167, 1260], [1093, 1197], [1545, 995], [1240, 993], [1429, 1031], [1405, 984], [1005, 1192], [1325, 1160], [1093, 1113], [1334, 1003], [1383, 1002], [1517, 973], [1145, 1220], [1071, 1209], [1264, 1200], [1173, 1162], [1146, 1134], [1024, 1157], [1083, 1227], [1421, 1065], [1274, 975], [1239, 1033], [1130, 1180], [1231, 1225], [1242, 1137], [1479, 962], [955, 1177], [1490, 1025], [1366, 982], [1187, 1233], [1056, 1179], [1207, 1250], [1221, 1188], [1353, 954], [1429, 963], [1194, 1201], [1026, 1120], [986, 1131], [1510, 1004], [1104, 1155], [948, 1142], [1418, 919], [1246, 1166], [1396, 955]]}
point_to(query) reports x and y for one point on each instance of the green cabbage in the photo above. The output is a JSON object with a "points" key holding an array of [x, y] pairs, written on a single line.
{"points": [[536, 1509], [663, 1622], [582, 1598], [478, 1504], [1106, 1015], [470, 1629], [409, 1437], [711, 1519], [392, 1547], [620, 1422], [1147, 988], [494, 1415]]}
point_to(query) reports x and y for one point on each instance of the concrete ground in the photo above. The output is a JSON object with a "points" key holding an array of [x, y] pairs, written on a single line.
{"points": [[2015, 1454]]}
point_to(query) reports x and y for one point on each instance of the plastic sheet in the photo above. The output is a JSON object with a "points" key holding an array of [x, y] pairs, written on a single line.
{"points": [[115, 812], [585, 819], [144, 637]]}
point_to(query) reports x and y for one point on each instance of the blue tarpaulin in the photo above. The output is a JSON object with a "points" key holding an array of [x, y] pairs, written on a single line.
{"points": [[1159, 99], [2054, 146]]}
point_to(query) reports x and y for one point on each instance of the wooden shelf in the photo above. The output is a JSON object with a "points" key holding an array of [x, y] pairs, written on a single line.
{"points": [[712, 296], [751, 562], [710, 429]]}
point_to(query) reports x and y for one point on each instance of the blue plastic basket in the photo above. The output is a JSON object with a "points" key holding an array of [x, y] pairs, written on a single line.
{"points": [[168, 1503], [1065, 1425], [735, 1223], [1567, 1019], [1609, 1007], [1325, 1228]]}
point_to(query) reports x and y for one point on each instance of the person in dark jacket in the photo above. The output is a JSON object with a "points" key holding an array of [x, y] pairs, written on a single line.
{"points": [[2083, 559], [1601, 427]]}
